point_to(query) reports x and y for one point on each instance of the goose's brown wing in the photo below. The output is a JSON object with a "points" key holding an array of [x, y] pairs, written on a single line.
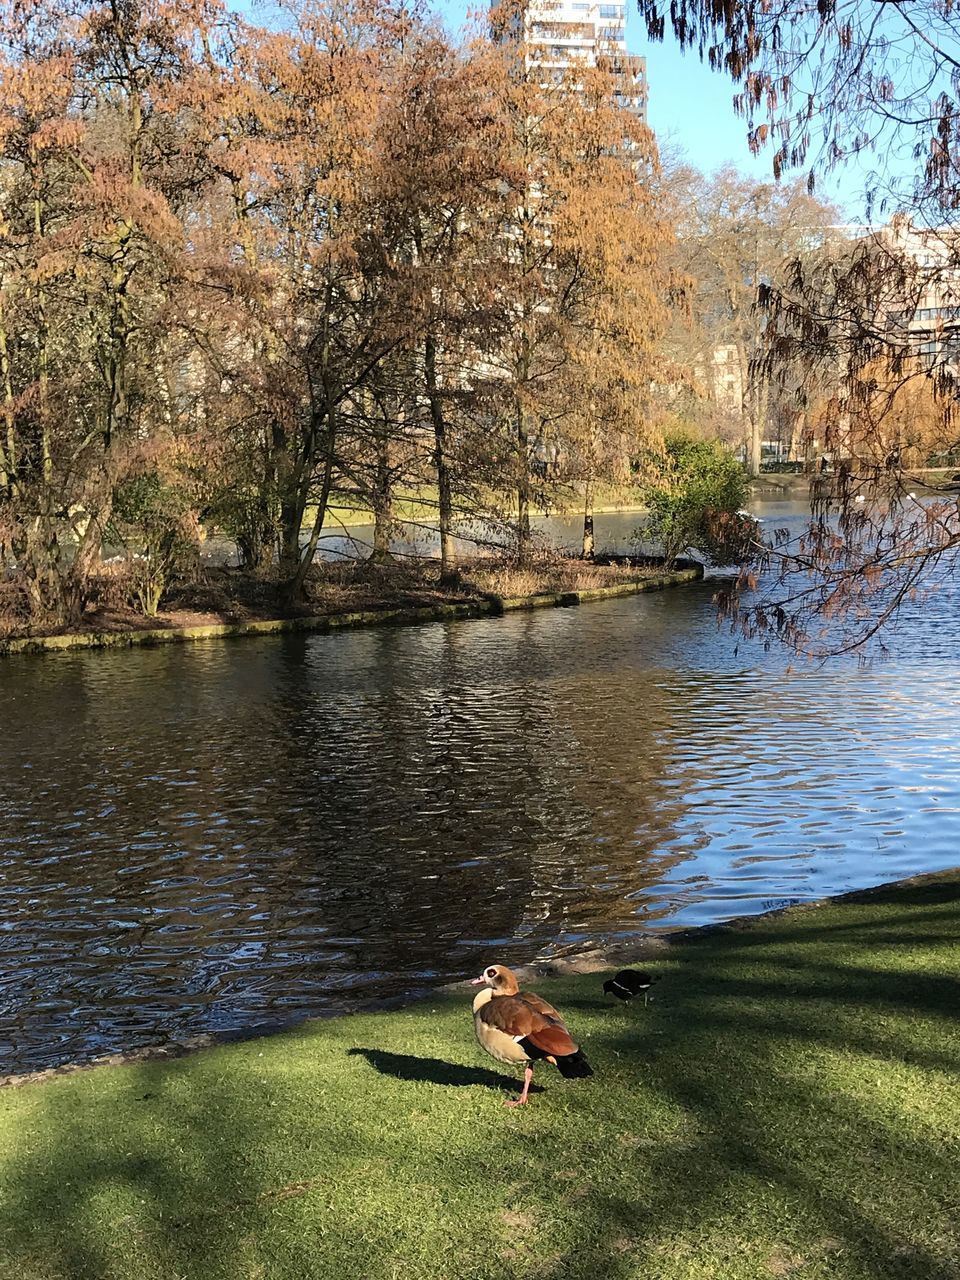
{"points": [[519, 1018], [541, 1006], [511, 1015]]}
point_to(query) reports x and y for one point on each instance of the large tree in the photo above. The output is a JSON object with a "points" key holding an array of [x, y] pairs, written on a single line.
{"points": [[585, 280], [735, 239], [90, 255], [442, 174], [295, 125]]}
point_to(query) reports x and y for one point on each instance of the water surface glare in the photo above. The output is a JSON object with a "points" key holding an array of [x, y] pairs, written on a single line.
{"points": [[228, 835]]}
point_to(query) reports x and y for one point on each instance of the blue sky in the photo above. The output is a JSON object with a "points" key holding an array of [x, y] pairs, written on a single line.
{"points": [[692, 108]]}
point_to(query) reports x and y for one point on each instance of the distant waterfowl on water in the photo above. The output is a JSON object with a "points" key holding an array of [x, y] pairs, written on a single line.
{"points": [[517, 1026], [629, 983]]}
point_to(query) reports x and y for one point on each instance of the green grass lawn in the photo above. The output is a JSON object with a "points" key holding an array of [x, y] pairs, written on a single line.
{"points": [[421, 508], [416, 509], [788, 1105]]}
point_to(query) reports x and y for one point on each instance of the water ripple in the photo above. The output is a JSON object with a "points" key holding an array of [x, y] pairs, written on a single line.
{"points": [[236, 835]]}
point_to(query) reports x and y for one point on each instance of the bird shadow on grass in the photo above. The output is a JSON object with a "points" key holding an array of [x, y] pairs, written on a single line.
{"points": [[406, 1066]]}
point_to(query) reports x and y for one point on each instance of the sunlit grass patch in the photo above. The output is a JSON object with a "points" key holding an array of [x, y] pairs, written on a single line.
{"points": [[788, 1105]]}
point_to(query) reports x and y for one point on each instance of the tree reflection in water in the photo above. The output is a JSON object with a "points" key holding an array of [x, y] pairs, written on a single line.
{"points": [[232, 834]]}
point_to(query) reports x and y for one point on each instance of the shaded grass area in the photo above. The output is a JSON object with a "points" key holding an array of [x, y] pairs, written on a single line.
{"points": [[789, 1105]]}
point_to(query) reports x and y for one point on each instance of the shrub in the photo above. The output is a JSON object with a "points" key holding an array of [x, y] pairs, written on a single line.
{"points": [[696, 503], [152, 520]]}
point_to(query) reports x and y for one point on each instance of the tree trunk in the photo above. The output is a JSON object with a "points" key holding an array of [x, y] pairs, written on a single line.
{"points": [[295, 563], [587, 548], [291, 522], [798, 434], [749, 413], [264, 541], [755, 452], [382, 504], [264, 521], [761, 397], [58, 586], [293, 477], [448, 555], [8, 445], [256, 551], [524, 540], [9, 486]]}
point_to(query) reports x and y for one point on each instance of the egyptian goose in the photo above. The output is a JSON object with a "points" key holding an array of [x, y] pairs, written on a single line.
{"points": [[517, 1026], [629, 983]]}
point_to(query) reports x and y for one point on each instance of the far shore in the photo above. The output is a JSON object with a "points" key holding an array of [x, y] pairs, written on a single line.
{"points": [[424, 510], [789, 486], [223, 603]]}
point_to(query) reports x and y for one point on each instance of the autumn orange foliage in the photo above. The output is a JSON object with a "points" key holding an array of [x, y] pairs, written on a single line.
{"points": [[276, 267]]}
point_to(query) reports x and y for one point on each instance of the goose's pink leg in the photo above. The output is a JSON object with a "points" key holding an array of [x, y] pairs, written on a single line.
{"points": [[518, 1102]]}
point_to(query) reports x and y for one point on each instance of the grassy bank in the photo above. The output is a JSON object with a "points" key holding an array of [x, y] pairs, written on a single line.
{"points": [[222, 602], [788, 1106], [421, 507]]}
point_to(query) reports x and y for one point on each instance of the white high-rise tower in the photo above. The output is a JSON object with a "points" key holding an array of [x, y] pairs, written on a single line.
{"points": [[560, 34]]}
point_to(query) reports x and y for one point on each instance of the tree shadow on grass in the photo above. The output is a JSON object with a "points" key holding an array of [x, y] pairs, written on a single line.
{"points": [[789, 1110], [143, 1169], [588, 1004], [805, 1067], [407, 1066]]}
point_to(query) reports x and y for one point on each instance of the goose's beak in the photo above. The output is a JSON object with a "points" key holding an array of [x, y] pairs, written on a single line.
{"points": [[477, 982]]}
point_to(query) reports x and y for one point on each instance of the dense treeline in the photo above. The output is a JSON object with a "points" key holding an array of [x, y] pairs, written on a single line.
{"points": [[247, 272], [250, 274]]}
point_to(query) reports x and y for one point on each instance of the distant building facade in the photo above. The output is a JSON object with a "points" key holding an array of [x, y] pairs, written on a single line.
{"points": [[925, 317], [561, 35], [725, 375]]}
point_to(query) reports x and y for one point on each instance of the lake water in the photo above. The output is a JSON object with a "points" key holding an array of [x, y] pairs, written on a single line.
{"points": [[239, 834]]}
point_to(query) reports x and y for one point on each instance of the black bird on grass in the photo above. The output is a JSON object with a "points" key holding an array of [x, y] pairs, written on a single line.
{"points": [[629, 983]]}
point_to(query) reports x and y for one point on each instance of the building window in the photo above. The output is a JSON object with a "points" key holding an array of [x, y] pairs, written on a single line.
{"points": [[609, 33], [611, 11], [928, 315], [928, 354]]}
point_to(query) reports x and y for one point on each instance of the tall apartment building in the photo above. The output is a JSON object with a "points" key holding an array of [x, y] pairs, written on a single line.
{"points": [[925, 318], [563, 34]]}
